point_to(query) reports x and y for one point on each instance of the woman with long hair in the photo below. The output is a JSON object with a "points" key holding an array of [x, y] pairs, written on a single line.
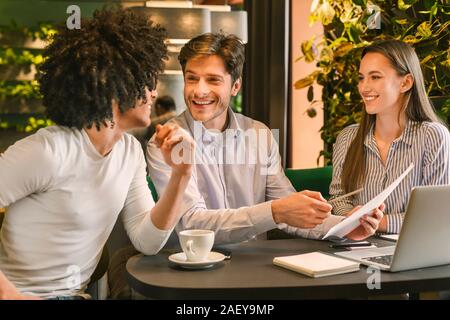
{"points": [[398, 127]]}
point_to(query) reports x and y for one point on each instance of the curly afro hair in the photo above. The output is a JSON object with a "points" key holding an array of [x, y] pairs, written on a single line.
{"points": [[115, 55]]}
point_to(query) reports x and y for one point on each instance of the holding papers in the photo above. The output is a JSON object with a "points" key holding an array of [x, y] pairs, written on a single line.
{"points": [[352, 222]]}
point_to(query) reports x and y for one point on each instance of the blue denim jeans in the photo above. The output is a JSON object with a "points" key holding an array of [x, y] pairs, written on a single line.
{"points": [[74, 297]]}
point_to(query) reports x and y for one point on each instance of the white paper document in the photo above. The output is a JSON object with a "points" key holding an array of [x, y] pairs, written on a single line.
{"points": [[392, 237], [352, 222]]}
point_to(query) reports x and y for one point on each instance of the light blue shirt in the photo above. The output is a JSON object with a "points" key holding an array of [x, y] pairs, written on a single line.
{"points": [[228, 193]]}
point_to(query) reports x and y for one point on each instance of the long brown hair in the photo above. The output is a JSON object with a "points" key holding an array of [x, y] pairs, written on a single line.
{"points": [[418, 107]]}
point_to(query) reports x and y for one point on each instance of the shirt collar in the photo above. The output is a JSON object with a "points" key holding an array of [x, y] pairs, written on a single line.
{"points": [[369, 141], [201, 134], [406, 137]]}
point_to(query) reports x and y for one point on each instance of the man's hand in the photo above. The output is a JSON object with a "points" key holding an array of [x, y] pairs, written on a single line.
{"points": [[305, 209], [9, 292], [369, 224], [177, 148]]}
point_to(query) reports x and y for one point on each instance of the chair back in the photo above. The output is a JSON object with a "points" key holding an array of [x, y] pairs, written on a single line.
{"points": [[315, 179], [102, 266], [152, 189]]}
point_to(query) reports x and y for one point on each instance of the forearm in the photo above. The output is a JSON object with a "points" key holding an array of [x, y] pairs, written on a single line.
{"points": [[149, 236], [314, 233], [166, 212], [230, 225], [391, 223]]}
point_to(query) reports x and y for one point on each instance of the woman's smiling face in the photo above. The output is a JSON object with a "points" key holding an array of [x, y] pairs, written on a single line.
{"points": [[379, 85]]}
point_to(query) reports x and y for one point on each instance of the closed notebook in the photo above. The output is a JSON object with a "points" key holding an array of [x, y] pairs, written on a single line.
{"points": [[316, 264]]}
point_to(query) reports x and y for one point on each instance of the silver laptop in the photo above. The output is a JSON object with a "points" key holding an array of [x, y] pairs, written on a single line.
{"points": [[424, 240]]}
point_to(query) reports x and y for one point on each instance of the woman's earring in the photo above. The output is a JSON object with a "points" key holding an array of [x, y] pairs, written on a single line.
{"points": [[112, 124]]}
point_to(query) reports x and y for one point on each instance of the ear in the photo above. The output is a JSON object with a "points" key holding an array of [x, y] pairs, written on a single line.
{"points": [[407, 83], [236, 87]]}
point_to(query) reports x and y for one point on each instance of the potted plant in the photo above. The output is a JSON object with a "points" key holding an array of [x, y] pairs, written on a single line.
{"points": [[350, 25]]}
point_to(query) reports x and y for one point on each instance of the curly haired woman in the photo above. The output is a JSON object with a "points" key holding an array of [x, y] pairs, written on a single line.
{"points": [[65, 185]]}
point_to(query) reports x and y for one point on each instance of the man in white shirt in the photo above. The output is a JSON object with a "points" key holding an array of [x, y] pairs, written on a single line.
{"points": [[65, 185], [238, 187]]}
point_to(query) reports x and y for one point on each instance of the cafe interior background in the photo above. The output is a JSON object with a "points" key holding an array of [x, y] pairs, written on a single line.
{"points": [[301, 59]]}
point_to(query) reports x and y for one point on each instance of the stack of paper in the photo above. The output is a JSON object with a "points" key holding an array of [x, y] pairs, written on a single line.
{"points": [[316, 264]]}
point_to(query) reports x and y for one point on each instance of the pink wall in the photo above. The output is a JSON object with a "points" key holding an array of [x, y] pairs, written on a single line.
{"points": [[306, 141]]}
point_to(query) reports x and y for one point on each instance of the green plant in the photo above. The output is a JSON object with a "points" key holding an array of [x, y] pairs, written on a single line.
{"points": [[43, 31], [21, 89], [24, 123], [10, 56], [423, 24], [236, 103], [13, 55]]}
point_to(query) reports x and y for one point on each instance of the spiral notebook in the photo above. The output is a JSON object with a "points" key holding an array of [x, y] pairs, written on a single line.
{"points": [[316, 264]]}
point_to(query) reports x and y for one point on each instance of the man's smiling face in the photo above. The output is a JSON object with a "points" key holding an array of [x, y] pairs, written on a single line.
{"points": [[208, 87]]}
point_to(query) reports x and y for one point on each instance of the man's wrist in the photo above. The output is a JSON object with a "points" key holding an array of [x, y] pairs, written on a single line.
{"points": [[276, 209]]}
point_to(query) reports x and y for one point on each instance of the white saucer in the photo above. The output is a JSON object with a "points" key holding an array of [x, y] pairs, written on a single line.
{"points": [[181, 260]]}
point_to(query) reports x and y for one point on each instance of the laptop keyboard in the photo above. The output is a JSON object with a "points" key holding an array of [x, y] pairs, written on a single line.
{"points": [[385, 260]]}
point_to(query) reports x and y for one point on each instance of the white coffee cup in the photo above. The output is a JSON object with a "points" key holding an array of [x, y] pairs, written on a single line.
{"points": [[196, 244]]}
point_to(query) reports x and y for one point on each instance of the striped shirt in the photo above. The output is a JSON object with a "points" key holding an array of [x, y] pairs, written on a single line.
{"points": [[425, 144]]}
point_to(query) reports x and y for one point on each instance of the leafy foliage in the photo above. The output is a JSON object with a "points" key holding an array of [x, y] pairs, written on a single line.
{"points": [[23, 89], [348, 27], [236, 103], [43, 31], [12, 54], [24, 123]]}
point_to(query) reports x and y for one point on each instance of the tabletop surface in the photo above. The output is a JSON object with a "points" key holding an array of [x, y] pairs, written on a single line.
{"points": [[251, 274]]}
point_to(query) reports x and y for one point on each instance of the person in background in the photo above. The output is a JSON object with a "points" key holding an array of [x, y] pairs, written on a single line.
{"points": [[229, 193], [66, 185], [398, 127], [164, 110]]}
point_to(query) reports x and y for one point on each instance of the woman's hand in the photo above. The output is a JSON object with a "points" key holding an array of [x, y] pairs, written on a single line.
{"points": [[369, 224], [177, 148]]}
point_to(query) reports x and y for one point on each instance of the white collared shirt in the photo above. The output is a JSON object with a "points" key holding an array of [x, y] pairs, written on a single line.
{"points": [[233, 182]]}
